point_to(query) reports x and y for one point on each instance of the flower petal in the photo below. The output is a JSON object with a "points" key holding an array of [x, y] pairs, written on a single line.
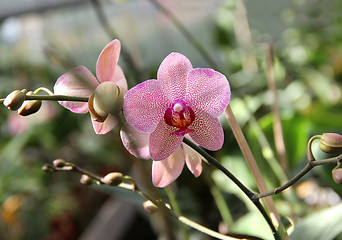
{"points": [[145, 105], [207, 131], [106, 126], [166, 171], [192, 160], [163, 141], [208, 91], [172, 74], [120, 79], [79, 82], [136, 142], [107, 61]]}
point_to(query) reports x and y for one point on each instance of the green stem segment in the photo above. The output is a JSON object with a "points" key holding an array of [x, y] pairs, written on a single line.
{"points": [[57, 98], [309, 166], [54, 98]]}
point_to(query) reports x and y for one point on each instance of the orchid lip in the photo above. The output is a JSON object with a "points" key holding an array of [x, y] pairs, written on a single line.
{"points": [[179, 115]]}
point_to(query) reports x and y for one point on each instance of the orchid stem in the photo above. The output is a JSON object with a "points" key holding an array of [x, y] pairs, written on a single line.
{"points": [[242, 187], [54, 98], [159, 203], [48, 91], [277, 125], [312, 162], [247, 153]]}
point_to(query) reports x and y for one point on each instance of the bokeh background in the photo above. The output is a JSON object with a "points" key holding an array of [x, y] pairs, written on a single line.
{"points": [[41, 40]]}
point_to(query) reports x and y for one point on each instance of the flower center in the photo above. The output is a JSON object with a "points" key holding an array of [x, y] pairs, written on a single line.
{"points": [[180, 116]]}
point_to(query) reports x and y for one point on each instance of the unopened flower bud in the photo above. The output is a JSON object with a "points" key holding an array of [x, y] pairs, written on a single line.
{"points": [[47, 168], [86, 180], [59, 163], [337, 175], [14, 100], [99, 116], [29, 107], [107, 99], [113, 178], [150, 207], [331, 142]]}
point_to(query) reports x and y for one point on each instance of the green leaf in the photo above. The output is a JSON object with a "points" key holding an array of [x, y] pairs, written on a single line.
{"points": [[325, 224]]}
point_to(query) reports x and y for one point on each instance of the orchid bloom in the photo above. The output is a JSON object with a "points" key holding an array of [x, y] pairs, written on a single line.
{"points": [[103, 92], [181, 101], [166, 171]]}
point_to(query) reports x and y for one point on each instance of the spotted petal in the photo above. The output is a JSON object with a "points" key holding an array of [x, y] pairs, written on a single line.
{"points": [[207, 131], [145, 105], [136, 142], [163, 141], [107, 61], [172, 74], [208, 90], [79, 82], [166, 171]]}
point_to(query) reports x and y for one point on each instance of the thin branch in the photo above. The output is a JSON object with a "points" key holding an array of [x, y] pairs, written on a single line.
{"points": [[277, 126], [308, 167], [246, 152], [66, 166], [54, 98]]}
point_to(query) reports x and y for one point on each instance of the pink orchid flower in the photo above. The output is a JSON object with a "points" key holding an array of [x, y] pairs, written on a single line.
{"points": [[80, 82], [166, 171], [181, 101]]}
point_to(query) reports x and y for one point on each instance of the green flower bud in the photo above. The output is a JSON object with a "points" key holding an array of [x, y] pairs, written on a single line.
{"points": [[59, 163], [337, 175], [331, 142], [47, 168], [29, 107], [113, 178], [86, 180], [14, 100]]}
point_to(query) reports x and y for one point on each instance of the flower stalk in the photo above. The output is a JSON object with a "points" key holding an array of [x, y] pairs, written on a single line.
{"points": [[54, 98], [61, 165]]}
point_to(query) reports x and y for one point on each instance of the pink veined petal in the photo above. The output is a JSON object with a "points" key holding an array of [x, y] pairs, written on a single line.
{"points": [[166, 171], [163, 141], [136, 142], [192, 160], [107, 61], [172, 74], [120, 79], [208, 91], [79, 82], [145, 105], [106, 126], [207, 131]]}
